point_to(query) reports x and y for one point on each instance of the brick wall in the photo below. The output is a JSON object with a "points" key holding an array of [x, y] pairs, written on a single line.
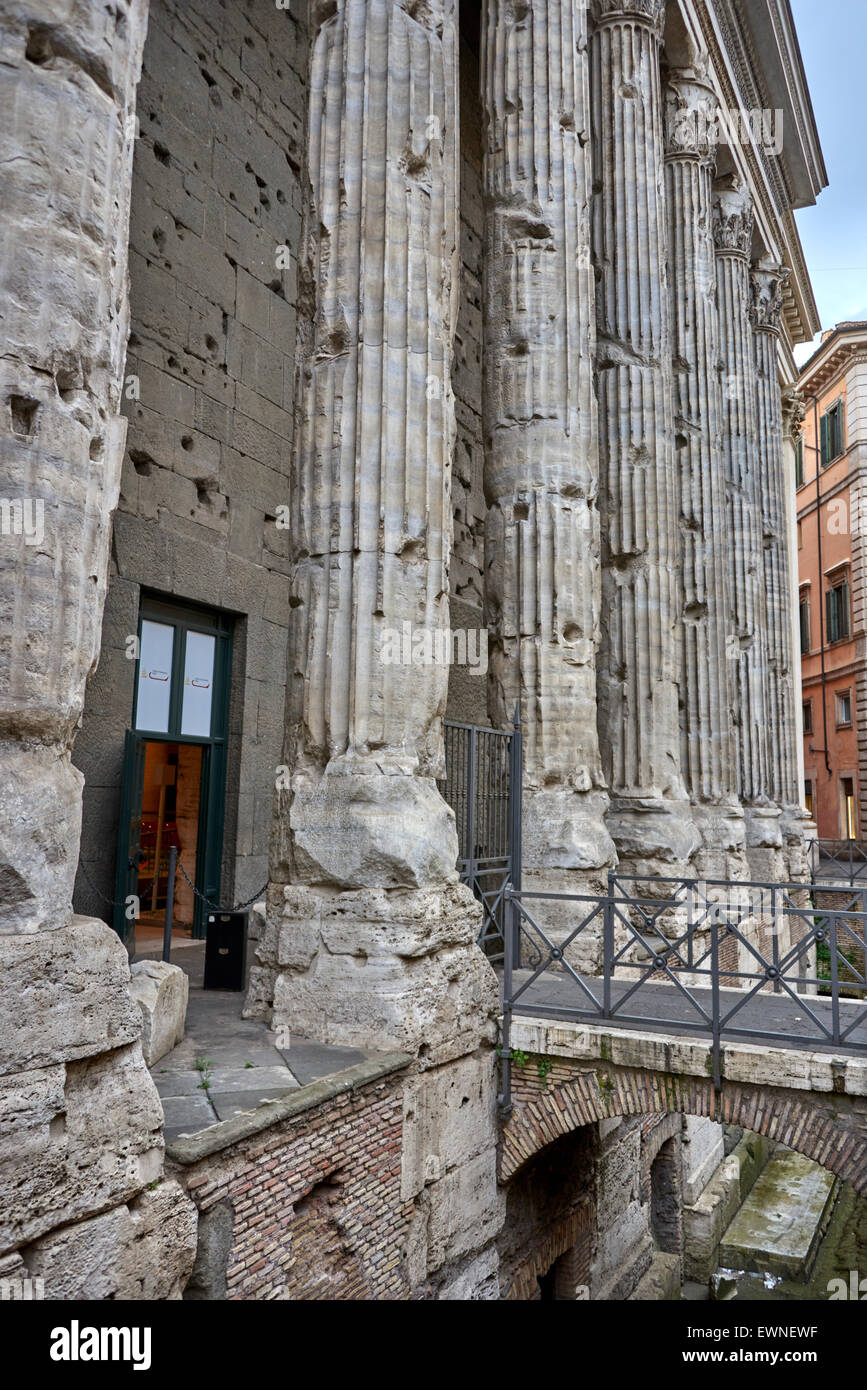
{"points": [[829, 1128], [311, 1207], [215, 191], [550, 1222]]}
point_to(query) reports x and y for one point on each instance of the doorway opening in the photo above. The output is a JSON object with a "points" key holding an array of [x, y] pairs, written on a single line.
{"points": [[171, 800], [173, 787]]}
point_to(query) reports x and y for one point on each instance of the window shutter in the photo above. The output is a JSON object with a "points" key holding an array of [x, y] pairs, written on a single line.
{"points": [[823, 431], [830, 615], [844, 609]]}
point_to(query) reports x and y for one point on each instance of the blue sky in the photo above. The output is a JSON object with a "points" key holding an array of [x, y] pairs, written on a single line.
{"points": [[833, 38]]}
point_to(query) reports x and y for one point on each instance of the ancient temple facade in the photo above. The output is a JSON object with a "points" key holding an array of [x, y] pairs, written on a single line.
{"points": [[364, 318]]}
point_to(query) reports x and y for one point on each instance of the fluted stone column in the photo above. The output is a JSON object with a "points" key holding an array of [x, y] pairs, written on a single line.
{"points": [[783, 785], [541, 462], [733, 232], [80, 1135], [365, 845], [707, 730], [370, 932], [639, 666]]}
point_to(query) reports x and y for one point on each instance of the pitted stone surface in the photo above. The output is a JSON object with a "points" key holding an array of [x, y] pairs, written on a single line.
{"points": [[64, 995], [67, 89], [144, 1250], [161, 991]]}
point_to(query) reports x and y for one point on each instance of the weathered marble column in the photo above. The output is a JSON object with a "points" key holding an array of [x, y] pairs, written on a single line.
{"points": [[639, 665], [733, 233], [783, 784], [80, 1130], [542, 586], [707, 729], [371, 934], [365, 845]]}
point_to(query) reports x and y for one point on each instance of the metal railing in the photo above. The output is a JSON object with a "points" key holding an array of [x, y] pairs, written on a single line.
{"points": [[772, 963], [483, 787], [838, 859]]}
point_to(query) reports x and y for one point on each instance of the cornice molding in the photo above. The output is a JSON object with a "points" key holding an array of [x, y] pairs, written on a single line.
{"points": [[728, 46]]}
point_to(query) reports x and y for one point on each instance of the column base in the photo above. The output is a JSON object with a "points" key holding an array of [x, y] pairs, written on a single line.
{"points": [[765, 846], [723, 842], [81, 1169], [655, 838], [382, 970], [566, 849], [366, 824], [798, 832]]}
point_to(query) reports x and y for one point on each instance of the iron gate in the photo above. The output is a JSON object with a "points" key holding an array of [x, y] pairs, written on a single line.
{"points": [[483, 787]]}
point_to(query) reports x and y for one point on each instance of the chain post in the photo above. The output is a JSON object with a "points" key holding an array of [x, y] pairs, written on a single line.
{"points": [[170, 903]]}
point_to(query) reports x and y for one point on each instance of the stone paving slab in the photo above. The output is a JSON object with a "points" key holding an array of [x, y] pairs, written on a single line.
{"points": [[187, 1115], [779, 1227], [243, 1078], [246, 1069], [310, 1061], [175, 1084]]}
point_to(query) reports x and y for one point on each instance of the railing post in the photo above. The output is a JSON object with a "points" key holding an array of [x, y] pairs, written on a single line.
{"points": [[775, 948], [471, 808], [504, 1099], [170, 903], [835, 978], [608, 946], [516, 793], [715, 1004]]}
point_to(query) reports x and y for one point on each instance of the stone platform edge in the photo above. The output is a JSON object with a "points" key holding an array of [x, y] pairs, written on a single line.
{"points": [[228, 1132], [679, 1054]]}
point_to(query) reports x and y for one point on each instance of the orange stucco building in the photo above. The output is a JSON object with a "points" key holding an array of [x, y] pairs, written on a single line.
{"points": [[830, 468]]}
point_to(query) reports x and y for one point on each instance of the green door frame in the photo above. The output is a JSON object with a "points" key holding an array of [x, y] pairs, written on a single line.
{"points": [[209, 850]]}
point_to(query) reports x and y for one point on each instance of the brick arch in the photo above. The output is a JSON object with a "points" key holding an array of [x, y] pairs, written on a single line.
{"points": [[830, 1129]]}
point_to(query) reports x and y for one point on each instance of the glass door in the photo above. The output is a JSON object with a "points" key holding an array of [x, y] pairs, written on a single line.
{"points": [[174, 775]]}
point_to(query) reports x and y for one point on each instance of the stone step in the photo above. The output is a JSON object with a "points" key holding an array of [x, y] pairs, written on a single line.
{"points": [[779, 1227]]}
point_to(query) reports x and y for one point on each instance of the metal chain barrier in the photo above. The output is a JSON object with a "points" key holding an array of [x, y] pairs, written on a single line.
{"points": [[112, 902], [216, 907]]}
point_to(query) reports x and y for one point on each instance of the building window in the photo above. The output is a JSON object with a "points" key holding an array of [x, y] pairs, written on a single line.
{"points": [[831, 430], [808, 716], [799, 461], [844, 708], [837, 611], [804, 621], [849, 817], [808, 797], [800, 537]]}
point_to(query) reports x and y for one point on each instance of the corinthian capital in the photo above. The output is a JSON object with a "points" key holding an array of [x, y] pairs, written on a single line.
{"points": [[766, 297], [647, 12], [733, 219], [794, 410], [691, 119]]}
